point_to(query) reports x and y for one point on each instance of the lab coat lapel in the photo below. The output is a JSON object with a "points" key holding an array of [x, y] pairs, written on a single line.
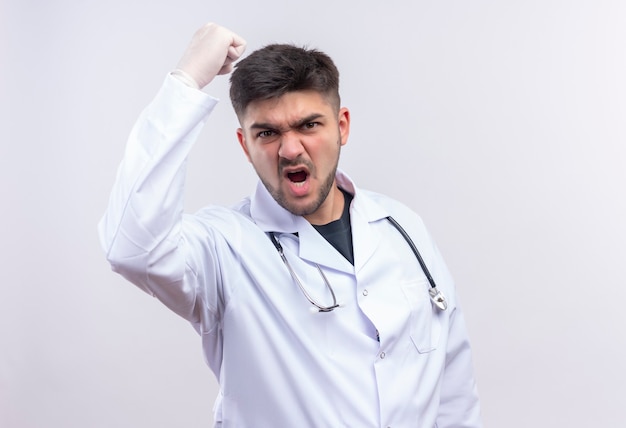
{"points": [[363, 213], [271, 217], [316, 249], [365, 237]]}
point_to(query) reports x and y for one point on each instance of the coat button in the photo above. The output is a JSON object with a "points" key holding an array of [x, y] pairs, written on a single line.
{"points": [[382, 355], [365, 292]]}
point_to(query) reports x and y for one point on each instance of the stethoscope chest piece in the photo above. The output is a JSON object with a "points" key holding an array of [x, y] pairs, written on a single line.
{"points": [[438, 298]]}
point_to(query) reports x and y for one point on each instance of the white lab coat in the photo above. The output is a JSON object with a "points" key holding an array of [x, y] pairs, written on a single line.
{"points": [[386, 358]]}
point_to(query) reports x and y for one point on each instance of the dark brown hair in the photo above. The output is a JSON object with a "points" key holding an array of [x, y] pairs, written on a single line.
{"points": [[277, 69]]}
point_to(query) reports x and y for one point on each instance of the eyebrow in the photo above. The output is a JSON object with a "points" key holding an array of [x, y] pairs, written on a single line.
{"points": [[298, 124]]}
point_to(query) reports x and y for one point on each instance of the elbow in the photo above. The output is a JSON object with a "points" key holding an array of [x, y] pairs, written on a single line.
{"points": [[124, 257]]}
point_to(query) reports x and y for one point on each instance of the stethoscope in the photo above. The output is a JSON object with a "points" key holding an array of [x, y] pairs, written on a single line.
{"points": [[436, 296]]}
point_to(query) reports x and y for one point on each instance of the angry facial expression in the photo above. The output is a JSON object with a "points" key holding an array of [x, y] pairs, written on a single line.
{"points": [[293, 143]]}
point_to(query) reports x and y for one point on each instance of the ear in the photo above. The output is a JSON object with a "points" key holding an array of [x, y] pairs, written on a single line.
{"points": [[242, 142], [344, 124]]}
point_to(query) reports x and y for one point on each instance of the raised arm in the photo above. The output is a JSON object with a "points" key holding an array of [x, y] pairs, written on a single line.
{"points": [[141, 229]]}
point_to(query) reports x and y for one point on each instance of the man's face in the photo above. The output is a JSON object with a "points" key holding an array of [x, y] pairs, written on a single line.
{"points": [[293, 142]]}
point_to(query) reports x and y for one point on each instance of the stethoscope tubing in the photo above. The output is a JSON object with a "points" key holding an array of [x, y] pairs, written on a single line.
{"points": [[409, 241], [436, 296]]}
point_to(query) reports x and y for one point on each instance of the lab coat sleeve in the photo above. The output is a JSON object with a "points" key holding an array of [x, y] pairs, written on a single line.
{"points": [[459, 406], [141, 231]]}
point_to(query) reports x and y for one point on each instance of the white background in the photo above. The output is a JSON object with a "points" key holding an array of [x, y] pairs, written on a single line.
{"points": [[501, 122]]}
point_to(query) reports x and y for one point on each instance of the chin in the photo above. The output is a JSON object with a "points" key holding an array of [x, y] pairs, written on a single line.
{"points": [[299, 209]]}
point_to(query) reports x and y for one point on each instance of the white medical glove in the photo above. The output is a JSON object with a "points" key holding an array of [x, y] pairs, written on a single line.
{"points": [[212, 51]]}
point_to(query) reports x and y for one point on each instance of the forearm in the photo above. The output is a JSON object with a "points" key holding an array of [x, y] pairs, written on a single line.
{"points": [[146, 203]]}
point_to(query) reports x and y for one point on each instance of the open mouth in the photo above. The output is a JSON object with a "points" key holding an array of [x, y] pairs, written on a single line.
{"points": [[297, 176]]}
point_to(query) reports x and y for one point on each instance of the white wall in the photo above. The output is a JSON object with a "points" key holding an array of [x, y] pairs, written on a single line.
{"points": [[501, 122]]}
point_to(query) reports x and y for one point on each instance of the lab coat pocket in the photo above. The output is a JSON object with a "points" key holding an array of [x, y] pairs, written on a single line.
{"points": [[425, 327]]}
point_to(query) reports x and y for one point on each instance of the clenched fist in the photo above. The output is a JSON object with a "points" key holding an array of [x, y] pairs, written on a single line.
{"points": [[212, 51]]}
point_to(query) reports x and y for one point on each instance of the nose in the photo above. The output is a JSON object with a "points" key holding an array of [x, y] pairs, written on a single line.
{"points": [[290, 145]]}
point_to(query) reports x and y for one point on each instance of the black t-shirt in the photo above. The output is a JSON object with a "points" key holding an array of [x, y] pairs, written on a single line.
{"points": [[339, 232]]}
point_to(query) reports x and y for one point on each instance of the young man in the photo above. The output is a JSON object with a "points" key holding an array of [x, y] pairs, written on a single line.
{"points": [[314, 310]]}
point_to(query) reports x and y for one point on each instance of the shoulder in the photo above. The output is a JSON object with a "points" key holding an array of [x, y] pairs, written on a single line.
{"points": [[229, 223], [393, 207], [237, 213]]}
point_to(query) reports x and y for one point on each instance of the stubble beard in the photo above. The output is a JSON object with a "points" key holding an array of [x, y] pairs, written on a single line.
{"points": [[327, 184]]}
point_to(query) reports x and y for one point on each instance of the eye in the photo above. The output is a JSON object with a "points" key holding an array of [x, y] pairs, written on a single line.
{"points": [[266, 134], [310, 125]]}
